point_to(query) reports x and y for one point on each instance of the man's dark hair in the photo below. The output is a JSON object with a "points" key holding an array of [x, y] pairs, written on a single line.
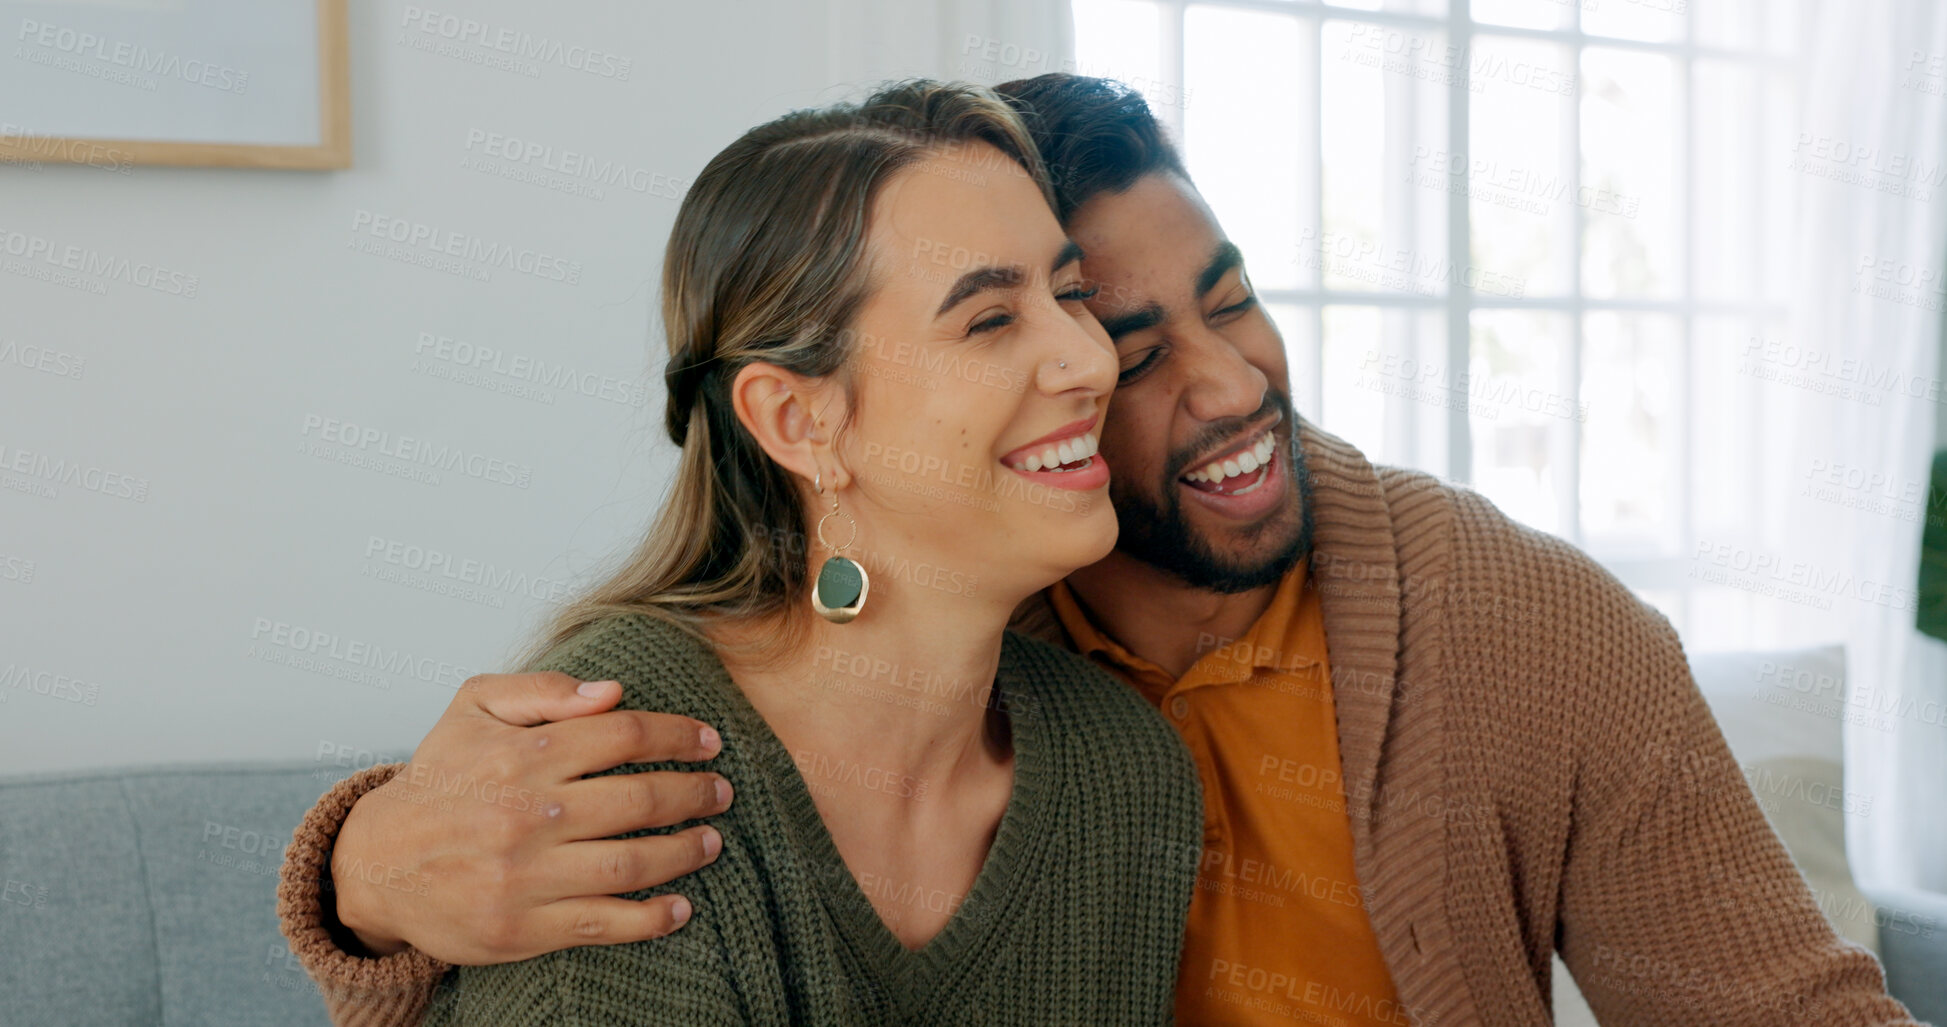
{"points": [[1095, 135]]}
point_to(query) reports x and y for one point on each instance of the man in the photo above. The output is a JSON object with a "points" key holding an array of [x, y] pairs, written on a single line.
{"points": [[1437, 747]]}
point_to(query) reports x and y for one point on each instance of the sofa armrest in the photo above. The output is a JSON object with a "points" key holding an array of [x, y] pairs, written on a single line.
{"points": [[1913, 947]]}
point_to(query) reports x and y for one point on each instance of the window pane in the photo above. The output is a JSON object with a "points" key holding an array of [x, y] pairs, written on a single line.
{"points": [[1517, 173], [1526, 14], [1299, 327], [1630, 174], [1730, 24], [1632, 439], [1520, 413], [1724, 416], [1122, 39], [1389, 96], [1781, 23], [1406, 6], [1654, 20], [1780, 189], [1355, 405], [1725, 134], [1388, 385], [1247, 73]]}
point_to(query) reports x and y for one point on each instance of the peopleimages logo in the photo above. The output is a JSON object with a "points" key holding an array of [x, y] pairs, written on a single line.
{"points": [[421, 242], [83, 260], [35, 467], [464, 570], [573, 164], [419, 452], [130, 56], [516, 43], [268, 635], [516, 368]]}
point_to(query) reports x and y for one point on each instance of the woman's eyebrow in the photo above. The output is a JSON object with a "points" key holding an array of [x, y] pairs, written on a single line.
{"points": [[981, 279]]}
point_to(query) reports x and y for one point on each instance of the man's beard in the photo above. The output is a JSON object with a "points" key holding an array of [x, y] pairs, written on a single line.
{"points": [[1161, 537]]}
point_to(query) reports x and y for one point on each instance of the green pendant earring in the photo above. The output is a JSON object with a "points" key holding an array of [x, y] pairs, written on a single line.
{"points": [[839, 593]]}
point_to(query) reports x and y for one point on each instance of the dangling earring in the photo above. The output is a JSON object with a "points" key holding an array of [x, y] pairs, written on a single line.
{"points": [[839, 593]]}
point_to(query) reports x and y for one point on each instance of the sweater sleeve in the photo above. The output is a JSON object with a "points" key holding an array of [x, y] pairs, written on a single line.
{"points": [[358, 991], [1679, 905], [682, 980]]}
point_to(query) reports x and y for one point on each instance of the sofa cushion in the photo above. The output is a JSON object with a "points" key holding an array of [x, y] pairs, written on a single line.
{"points": [[148, 896], [80, 948], [1783, 714]]}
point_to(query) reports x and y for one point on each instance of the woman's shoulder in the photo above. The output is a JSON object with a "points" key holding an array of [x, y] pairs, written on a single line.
{"points": [[661, 666]]}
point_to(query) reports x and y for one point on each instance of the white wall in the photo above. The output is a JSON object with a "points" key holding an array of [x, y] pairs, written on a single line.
{"points": [[156, 617]]}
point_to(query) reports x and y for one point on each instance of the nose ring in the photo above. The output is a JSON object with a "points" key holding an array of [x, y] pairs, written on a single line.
{"points": [[1063, 365]]}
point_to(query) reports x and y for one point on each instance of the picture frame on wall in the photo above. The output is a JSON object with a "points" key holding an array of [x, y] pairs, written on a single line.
{"points": [[201, 83]]}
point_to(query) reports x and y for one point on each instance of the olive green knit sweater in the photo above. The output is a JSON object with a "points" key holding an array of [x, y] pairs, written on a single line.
{"points": [[1076, 917]]}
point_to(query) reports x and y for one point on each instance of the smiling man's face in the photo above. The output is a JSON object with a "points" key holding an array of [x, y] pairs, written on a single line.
{"points": [[1208, 485]]}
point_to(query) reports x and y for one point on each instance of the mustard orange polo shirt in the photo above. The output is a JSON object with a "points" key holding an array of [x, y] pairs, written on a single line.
{"points": [[1278, 932]]}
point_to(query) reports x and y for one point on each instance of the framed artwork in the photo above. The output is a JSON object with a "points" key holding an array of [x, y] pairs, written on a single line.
{"points": [[212, 83]]}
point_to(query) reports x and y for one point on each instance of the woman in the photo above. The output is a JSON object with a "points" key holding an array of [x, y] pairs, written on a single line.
{"points": [[887, 393]]}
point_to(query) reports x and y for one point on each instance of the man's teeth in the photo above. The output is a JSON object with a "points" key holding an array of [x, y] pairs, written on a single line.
{"points": [[1067, 451], [1246, 462]]}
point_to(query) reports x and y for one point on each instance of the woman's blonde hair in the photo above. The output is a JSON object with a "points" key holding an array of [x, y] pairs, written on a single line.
{"points": [[767, 262]]}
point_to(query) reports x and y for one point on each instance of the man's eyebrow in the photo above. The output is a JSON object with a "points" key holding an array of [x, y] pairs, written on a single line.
{"points": [[1070, 253], [1226, 257], [1134, 321], [978, 280]]}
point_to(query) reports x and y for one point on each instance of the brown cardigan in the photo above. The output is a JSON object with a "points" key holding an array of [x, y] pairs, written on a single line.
{"points": [[1529, 767]]}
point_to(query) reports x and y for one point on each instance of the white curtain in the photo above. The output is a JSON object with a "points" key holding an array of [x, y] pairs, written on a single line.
{"points": [[983, 41], [1871, 254]]}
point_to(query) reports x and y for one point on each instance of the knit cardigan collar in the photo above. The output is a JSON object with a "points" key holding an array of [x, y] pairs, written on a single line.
{"points": [[1386, 643]]}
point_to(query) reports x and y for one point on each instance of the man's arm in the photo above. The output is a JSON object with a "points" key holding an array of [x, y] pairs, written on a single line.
{"points": [[490, 847], [359, 988], [1679, 905]]}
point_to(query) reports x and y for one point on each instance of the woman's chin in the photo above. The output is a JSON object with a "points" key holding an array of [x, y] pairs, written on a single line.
{"points": [[1090, 538]]}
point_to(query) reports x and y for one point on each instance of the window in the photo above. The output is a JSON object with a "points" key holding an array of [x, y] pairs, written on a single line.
{"points": [[1504, 238]]}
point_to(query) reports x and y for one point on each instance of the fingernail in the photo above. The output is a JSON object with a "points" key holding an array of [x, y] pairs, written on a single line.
{"points": [[712, 842], [679, 911], [587, 689], [723, 792], [708, 739]]}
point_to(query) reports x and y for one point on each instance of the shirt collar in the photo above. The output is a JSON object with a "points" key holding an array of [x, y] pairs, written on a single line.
{"points": [[1287, 638]]}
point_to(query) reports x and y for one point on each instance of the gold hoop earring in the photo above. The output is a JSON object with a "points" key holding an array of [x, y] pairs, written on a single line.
{"points": [[839, 593]]}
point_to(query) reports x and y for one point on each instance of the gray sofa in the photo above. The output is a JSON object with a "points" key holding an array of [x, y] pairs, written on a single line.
{"points": [[147, 896]]}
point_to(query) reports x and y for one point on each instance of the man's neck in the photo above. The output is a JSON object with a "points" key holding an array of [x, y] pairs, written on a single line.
{"points": [[1160, 618]]}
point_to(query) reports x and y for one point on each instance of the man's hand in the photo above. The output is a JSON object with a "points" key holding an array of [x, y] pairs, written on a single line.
{"points": [[490, 847]]}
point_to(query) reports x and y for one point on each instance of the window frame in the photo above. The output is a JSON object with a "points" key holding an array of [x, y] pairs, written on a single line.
{"points": [[1644, 572]]}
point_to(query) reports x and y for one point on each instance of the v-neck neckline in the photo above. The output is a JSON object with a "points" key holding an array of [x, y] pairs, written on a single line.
{"points": [[913, 971]]}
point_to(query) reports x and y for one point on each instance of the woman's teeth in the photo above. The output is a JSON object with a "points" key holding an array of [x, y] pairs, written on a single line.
{"points": [[1237, 464], [1067, 451]]}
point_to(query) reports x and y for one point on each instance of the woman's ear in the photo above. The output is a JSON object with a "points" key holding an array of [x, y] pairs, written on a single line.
{"points": [[791, 416]]}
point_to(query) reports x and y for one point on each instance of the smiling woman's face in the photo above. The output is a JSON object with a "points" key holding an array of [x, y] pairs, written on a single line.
{"points": [[981, 380]]}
